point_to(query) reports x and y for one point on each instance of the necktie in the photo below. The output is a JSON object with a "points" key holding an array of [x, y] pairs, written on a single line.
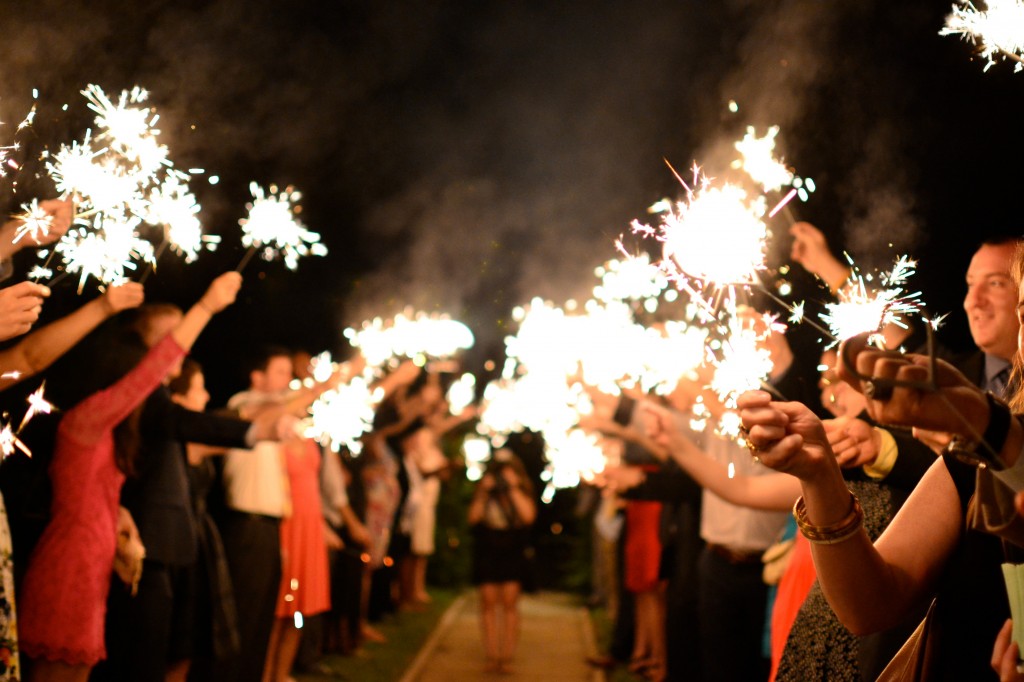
{"points": [[997, 384]]}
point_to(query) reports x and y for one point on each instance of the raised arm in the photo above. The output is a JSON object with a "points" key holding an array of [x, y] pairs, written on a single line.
{"points": [[775, 492], [42, 348]]}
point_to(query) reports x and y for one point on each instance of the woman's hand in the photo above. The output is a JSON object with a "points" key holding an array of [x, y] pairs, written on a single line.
{"points": [[123, 297], [222, 292], [1005, 655], [785, 436]]}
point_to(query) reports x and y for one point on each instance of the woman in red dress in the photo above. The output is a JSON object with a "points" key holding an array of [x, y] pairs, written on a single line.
{"points": [[305, 574], [64, 594]]}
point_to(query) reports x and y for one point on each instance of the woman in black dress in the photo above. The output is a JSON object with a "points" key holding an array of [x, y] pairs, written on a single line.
{"points": [[501, 513]]}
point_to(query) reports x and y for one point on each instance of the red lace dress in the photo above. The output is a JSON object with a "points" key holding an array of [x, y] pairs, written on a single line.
{"points": [[305, 577], [63, 598]]}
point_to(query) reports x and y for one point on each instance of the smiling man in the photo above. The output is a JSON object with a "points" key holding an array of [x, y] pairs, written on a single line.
{"points": [[991, 307]]}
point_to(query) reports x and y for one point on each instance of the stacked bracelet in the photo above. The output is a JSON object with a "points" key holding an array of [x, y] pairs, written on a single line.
{"points": [[832, 534]]}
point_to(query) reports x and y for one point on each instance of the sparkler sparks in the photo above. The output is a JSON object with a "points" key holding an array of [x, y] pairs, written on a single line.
{"points": [[37, 404], [462, 393], [863, 308], [759, 161], [341, 416], [716, 235], [35, 222], [998, 30], [123, 178], [273, 227], [409, 335]]}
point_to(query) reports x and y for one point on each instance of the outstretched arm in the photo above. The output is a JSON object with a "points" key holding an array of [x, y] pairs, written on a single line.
{"points": [[775, 492], [39, 350]]}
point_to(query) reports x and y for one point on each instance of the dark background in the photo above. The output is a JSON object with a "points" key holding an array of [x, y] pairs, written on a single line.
{"points": [[465, 156]]}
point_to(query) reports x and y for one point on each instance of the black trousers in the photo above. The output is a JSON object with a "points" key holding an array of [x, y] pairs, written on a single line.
{"points": [[252, 547], [731, 608]]}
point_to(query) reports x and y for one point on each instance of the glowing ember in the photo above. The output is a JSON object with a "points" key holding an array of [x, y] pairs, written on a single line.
{"points": [[862, 308], [630, 279], [341, 416], [35, 222], [105, 253], [716, 235], [409, 336], [462, 393], [759, 161], [744, 362], [273, 227], [37, 404], [999, 30]]}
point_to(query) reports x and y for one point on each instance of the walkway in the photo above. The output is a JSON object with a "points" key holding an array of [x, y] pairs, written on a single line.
{"points": [[555, 638]]}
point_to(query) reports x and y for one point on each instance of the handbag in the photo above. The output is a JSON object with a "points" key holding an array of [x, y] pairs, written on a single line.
{"points": [[916, 659]]}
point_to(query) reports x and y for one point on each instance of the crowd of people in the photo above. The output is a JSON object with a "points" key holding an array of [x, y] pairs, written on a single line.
{"points": [[814, 544], [147, 538], [150, 538]]}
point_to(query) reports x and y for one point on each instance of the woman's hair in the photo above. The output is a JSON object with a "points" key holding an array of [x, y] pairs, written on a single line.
{"points": [[1016, 399], [180, 384]]}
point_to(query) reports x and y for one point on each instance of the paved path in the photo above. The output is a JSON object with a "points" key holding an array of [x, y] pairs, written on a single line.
{"points": [[555, 638]]}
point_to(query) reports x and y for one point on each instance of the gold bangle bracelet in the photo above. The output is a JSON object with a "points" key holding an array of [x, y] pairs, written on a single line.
{"points": [[834, 533]]}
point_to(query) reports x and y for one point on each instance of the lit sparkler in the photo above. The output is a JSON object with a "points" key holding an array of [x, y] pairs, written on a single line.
{"points": [[342, 415], [122, 178], [35, 222], [863, 308], [37, 404], [409, 335], [273, 228], [462, 393], [717, 235], [998, 30], [759, 160]]}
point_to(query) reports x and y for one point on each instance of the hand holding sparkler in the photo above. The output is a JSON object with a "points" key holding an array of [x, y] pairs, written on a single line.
{"points": [[222, 292], [20, 305], [854, 441], [810, 250], [40, 223], [913, 390], [123, 297], [786, 436]]}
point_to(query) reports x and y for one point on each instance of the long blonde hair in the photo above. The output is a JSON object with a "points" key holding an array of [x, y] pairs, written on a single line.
{"points": [[1016, 399]]}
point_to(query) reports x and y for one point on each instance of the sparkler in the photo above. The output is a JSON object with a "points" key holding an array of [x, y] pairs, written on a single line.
{"points": [[716, 236], [6, 162], [35, 222], [122, 179], [862, 308], [273, 228], [409, 335], [461, 394], [998, 31], [342, 415], [759, 161], [37, 404]]}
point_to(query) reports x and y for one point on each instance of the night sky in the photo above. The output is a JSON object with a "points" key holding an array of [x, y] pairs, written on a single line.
{"points": [[466, 156]]}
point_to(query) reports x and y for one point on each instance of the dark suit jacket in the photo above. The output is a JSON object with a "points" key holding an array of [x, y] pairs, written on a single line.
{"points": [[158, 495]]}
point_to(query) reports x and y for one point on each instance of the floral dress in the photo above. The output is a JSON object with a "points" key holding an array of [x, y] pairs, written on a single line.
{"points": [[9, 668]]}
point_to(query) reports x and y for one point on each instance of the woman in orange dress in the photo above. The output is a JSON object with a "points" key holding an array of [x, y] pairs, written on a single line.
{"points": [[305, 575]]}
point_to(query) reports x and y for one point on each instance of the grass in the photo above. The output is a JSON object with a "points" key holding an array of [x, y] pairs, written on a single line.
{"points": [[406, 633]]}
